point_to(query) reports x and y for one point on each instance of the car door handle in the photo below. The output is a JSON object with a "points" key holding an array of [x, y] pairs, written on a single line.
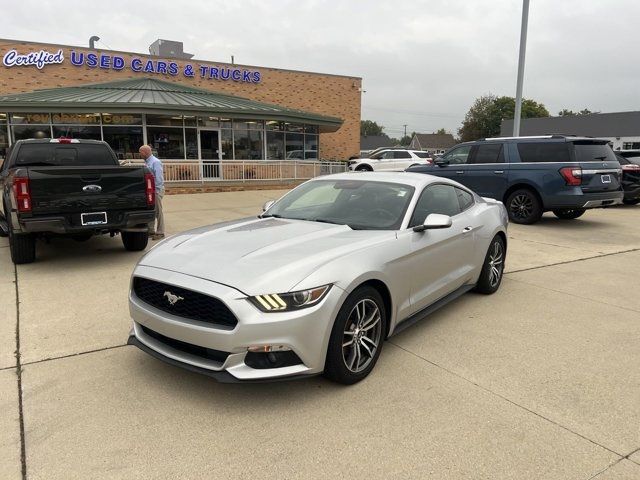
{"points": [[459, 172], [467, 229], [499, 172]]}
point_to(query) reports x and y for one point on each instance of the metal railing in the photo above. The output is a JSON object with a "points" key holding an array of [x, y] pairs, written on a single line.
{"points": [[181, 171]]}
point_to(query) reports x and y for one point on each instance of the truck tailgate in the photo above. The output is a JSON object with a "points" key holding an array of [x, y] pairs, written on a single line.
{"points": [[61, 190]]}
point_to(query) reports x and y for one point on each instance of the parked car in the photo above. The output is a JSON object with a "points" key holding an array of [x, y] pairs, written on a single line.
{"points": [[630, 178], [390, 159], [319, 280], [531, 175], [75, 188]]}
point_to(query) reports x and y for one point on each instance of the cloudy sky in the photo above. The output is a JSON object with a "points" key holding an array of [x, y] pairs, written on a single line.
{"points": [[422, 62]]}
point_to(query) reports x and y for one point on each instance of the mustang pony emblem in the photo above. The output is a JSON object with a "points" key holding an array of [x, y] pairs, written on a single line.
{"points": [[173, 299]]}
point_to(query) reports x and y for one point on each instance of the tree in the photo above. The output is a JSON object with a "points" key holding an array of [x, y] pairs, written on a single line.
{"points": [[441, 131], [564, 112], [485, 116], [370, 128]]}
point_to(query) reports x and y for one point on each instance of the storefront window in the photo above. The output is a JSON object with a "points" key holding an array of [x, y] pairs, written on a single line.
{"points": [[190, 121], [21, 132], [294, 127], [165, 120], [191, 143], [275, 125], [68, 131], [167, 141], [311, 129], [275, 145], [121, 119], [4, 137], [294, 146], [75, 118], [247, 144], [125, 141], [208, 122], [310, 146], [225, 123], [248, 125], [29, 118], [226, 143]]}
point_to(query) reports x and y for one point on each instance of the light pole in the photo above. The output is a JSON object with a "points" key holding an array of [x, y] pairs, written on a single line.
{"points": [[523, 48]]}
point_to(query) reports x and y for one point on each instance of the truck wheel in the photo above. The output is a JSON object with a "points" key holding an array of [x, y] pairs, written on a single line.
{"points": [[569, 213], [135, 241], [22, 247], [524, 207]]}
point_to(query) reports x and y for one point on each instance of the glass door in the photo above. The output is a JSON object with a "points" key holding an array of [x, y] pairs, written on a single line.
{"points": [[209, 146]]}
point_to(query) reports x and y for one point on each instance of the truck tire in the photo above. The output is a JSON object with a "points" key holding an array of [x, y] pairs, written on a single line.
{"points": [[524, 207], [22, 247], [135, 241], [569, 213]]}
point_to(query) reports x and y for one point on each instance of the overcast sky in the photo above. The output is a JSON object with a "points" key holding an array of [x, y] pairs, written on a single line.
{"points": [[422, 62]]}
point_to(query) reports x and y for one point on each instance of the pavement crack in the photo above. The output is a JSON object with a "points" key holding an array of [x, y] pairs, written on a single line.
{"points": [[23, 450], [512, 402], [42, 360], [573, 261]]}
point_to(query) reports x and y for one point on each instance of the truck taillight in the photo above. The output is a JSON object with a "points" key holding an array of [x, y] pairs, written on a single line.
{"points": [[630, 168], [22, 193], [572, 175], [150, 188]]}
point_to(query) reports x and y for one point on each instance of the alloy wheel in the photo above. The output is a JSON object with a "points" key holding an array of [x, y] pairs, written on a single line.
{"points": [[496, 259], [521, 206], [362, 337]]}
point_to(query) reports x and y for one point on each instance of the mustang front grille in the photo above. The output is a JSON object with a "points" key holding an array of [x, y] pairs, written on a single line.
{"points": [[184, 303]]}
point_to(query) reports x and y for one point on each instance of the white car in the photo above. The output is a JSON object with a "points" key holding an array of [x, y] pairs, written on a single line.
{"points": [[393, 159]]}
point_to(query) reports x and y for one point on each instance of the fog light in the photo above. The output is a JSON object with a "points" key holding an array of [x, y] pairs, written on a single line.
{"points": [[272, 359]]}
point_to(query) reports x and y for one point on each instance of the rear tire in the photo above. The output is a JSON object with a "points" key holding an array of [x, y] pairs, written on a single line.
{"points": [[569, 213], [364, 168], [492, 268], [524, 207], [22, 247], [361, 321], [634, 201], [135, 241]]}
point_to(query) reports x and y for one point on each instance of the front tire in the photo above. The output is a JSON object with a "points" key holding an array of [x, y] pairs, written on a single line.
{"points": [[357, 337], [524, 207], [492, 268], [569, 213], [135, 241]]}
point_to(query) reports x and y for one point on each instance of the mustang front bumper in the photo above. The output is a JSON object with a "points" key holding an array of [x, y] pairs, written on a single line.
{"points": [[305, 332]]}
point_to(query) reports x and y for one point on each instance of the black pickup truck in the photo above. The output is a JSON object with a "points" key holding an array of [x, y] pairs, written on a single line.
{"points": [[72, 187]]}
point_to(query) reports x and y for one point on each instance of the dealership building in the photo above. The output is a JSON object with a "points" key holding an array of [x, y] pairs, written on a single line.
{"points": [[191, 111]]}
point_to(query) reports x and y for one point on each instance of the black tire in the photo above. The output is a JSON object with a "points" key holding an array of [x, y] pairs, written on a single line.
{"points": [[633, 201], [336, 367], [22, 247], [492, 268], [135, 241], [524, 207], [364, 168], [569, 213]]}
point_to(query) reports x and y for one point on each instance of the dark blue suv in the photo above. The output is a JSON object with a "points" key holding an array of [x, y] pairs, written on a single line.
{"points": [[532, 175]]}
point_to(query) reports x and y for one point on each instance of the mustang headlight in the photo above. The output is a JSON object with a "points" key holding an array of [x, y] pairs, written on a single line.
{"points": [[283, 302]]}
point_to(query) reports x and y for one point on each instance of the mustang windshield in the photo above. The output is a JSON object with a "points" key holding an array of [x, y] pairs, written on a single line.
{"points": [[360, 204]]}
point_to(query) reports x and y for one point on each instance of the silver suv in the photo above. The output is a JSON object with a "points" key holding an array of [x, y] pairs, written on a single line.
{"points": [[389, 160]]}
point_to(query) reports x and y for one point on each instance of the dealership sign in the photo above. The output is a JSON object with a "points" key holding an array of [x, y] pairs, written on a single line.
{"points": [[38, 59], [135, 64]]}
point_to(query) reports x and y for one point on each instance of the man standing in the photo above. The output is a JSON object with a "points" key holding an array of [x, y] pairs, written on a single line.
{"points": [[155, 165]]}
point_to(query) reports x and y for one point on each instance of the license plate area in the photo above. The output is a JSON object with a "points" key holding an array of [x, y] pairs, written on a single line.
{"points": [[605, 178], [94, 218]]}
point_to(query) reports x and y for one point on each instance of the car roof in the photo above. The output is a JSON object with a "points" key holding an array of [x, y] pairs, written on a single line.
{"points": [[417, 180]]}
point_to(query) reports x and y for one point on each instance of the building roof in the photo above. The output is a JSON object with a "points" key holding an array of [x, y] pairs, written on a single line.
{"points": [[157, 96], [371, 142], [618, 124], [434, 140]]}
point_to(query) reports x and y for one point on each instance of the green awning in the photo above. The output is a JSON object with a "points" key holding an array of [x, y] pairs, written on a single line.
{"points": [[149, 95]]}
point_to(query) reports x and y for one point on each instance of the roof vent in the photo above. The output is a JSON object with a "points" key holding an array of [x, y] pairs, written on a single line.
{"points": [[168, 49]]}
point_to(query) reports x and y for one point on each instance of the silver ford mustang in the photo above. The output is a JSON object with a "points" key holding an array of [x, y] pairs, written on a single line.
{"points": [[319, 280]]}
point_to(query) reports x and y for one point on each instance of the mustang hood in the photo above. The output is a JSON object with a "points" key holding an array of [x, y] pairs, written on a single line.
{"points": [[259, 256]]}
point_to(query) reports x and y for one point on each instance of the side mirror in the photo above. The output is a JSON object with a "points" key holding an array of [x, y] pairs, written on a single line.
{"points": [[267, 205], [441, 162], [434, 221]]}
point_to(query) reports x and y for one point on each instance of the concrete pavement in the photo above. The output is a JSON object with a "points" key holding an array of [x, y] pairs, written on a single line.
{"points": [[537, 381]]}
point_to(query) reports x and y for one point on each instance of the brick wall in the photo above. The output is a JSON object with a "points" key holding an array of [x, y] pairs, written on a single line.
{"points": [[333, 95]]}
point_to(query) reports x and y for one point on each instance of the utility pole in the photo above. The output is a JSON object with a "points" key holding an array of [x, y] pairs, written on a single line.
{"points": [[405, 130], [523, 48]]}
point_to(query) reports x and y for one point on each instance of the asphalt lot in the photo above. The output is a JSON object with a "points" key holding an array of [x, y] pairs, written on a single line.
{"points": [[540, 380]]}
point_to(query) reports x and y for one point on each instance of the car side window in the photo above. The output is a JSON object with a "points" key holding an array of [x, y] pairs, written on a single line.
{"points": [[465, 199], [489, 153], [441, 199], [458, 155], [401, 154], [387, 155], [544, 152]]}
